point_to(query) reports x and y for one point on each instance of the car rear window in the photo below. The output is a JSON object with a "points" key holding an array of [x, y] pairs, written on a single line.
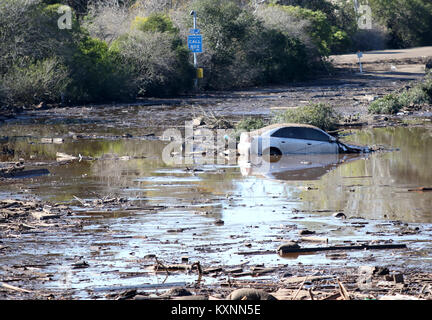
{"points": [[300, 133]]}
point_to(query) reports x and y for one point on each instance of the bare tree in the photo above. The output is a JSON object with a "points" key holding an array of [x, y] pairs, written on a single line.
{"points": [[108, 19]]}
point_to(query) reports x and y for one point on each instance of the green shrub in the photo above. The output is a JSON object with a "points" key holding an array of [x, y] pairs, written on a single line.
{"points": [[426, 86], [408, 21], [241, 49], [320, 115], [389, 104], [31, 83], [156, 22], [324, 35], [98, 74], [250, 124], [420, 93]]}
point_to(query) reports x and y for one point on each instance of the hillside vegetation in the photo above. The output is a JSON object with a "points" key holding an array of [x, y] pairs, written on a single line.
{"points": [[119, 50]]}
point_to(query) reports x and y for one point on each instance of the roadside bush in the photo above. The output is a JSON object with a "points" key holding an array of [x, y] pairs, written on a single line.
{"points": [[389, 104], [420, 93], [320, 115], [30, 29], [156, 62], [155, 22], [107, 20], [324, 35], [98, 75], [31, 83], [367, 40], [408, 21], [2, 94], [241, 50], [250, 124]]}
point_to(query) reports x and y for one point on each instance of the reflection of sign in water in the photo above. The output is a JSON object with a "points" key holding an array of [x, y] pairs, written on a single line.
{"points": [[195, 43]]}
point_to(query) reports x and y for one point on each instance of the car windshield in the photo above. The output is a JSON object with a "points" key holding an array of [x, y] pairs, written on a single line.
{"points": [[301, 133]]}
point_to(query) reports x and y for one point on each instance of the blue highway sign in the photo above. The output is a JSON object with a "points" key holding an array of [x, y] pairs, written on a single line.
{"points": [[195, 43]]}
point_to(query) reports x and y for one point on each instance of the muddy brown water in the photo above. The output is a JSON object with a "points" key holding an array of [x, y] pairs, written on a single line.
{"points": [[260, 210]]}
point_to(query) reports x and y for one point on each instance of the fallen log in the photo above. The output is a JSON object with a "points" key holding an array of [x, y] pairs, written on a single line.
{"points": [[290, 249], [420, 189], [10, 287], [25, 173], [358, 247]]}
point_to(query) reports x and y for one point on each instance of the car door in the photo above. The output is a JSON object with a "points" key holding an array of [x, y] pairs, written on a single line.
{"points": [[318, 141], [288, 141]]}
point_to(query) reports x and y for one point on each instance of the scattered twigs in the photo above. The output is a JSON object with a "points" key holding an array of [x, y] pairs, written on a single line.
{"points": [[299, 289], [310, 294], [344, 293], [159, 264], [80, 201], [200, 271]]}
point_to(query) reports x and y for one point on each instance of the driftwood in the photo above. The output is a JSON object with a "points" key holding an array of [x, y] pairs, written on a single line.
{"points": [[359, 247], [421, 189], [314, 239], [317, 249], [10, 287]]}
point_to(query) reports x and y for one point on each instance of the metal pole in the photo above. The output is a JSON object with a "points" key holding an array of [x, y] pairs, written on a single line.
{"points": [[195, 55]]}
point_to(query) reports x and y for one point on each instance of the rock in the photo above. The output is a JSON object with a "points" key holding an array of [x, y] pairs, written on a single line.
{"points": [[250, 294], [287, 246], [177, 292], [305, 232], [339, 215], [397, 278], [219, 222], [198, 121], [373, 270]]}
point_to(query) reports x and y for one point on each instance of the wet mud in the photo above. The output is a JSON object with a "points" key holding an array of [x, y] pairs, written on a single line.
{"points": [[111, 220], [127, 225]]}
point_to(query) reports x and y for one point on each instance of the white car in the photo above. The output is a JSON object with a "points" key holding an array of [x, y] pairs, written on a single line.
{"points": [[289, 138]]}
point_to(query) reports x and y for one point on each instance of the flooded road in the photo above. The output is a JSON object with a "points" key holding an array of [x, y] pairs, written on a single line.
{"points": [[214, 214]]}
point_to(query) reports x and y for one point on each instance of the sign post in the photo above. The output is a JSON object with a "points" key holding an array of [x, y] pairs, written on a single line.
{"points": [[195, 46], [360, 55]]}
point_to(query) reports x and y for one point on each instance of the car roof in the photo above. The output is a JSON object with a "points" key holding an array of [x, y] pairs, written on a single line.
{"points": [[281, 125]]}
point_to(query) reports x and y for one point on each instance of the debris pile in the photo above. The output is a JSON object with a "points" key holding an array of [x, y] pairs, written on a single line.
{"points": [[21, 215]]}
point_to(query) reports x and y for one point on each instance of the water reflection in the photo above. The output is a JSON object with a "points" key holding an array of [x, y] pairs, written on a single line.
{"points": [[372, 186], [296, 167], [377, 188]]}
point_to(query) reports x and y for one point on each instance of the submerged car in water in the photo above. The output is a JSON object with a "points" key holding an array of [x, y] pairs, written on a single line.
{"points": [[292, 138]]}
